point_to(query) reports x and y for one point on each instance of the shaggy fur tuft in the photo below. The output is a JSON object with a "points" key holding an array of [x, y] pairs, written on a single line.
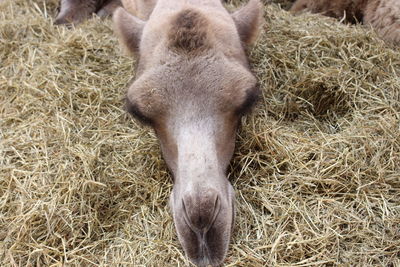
{"points": [[188, 32]]}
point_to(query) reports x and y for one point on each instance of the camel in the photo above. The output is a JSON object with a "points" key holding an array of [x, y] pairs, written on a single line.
{"points": [[192, 85], [382, 15]]}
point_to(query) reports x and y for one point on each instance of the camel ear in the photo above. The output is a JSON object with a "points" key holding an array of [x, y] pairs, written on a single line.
{"points": [[248, 20], [128, 29], [130, 6]]}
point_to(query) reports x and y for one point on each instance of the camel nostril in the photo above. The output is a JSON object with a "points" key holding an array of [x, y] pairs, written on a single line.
{"points": [[200, 212], [203, 219]]}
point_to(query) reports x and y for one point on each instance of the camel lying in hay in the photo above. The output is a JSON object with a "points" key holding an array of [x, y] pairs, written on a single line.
{"points": [[382, 15], [192, 85]]}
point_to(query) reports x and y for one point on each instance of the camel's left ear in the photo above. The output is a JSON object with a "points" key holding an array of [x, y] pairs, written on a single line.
{"points": [[248, 20]]}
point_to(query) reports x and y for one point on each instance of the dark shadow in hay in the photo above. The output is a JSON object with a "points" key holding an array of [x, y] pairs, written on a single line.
{"points": [[318, 100]]}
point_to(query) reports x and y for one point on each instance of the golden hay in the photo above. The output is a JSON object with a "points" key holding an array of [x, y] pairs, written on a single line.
{"points": [[316, 170]]}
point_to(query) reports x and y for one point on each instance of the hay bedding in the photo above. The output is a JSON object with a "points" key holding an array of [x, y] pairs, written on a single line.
{"points": [[316, 170]]}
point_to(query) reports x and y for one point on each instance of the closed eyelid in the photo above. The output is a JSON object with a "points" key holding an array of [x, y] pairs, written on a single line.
{"points": [[252, 96], [134, 110]]}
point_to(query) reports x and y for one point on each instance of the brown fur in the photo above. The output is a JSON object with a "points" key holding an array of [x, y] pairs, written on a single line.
{"points": [[382, 15], [351, 10], [188, 32], [76, 11]]}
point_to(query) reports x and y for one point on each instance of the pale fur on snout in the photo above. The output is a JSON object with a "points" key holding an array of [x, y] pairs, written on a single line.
{"points": [[382, 15], [192, 85]]}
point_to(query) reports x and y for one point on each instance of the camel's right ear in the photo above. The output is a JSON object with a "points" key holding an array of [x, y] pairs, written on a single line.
{"points": [[128, 29], [248, 20]]}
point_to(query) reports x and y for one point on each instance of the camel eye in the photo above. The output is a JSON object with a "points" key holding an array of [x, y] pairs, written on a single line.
{"points": [[135, 111], [252, 96]]}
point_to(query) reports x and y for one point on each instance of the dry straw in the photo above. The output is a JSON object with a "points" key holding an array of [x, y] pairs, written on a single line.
{"points": [[316, 170]]}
